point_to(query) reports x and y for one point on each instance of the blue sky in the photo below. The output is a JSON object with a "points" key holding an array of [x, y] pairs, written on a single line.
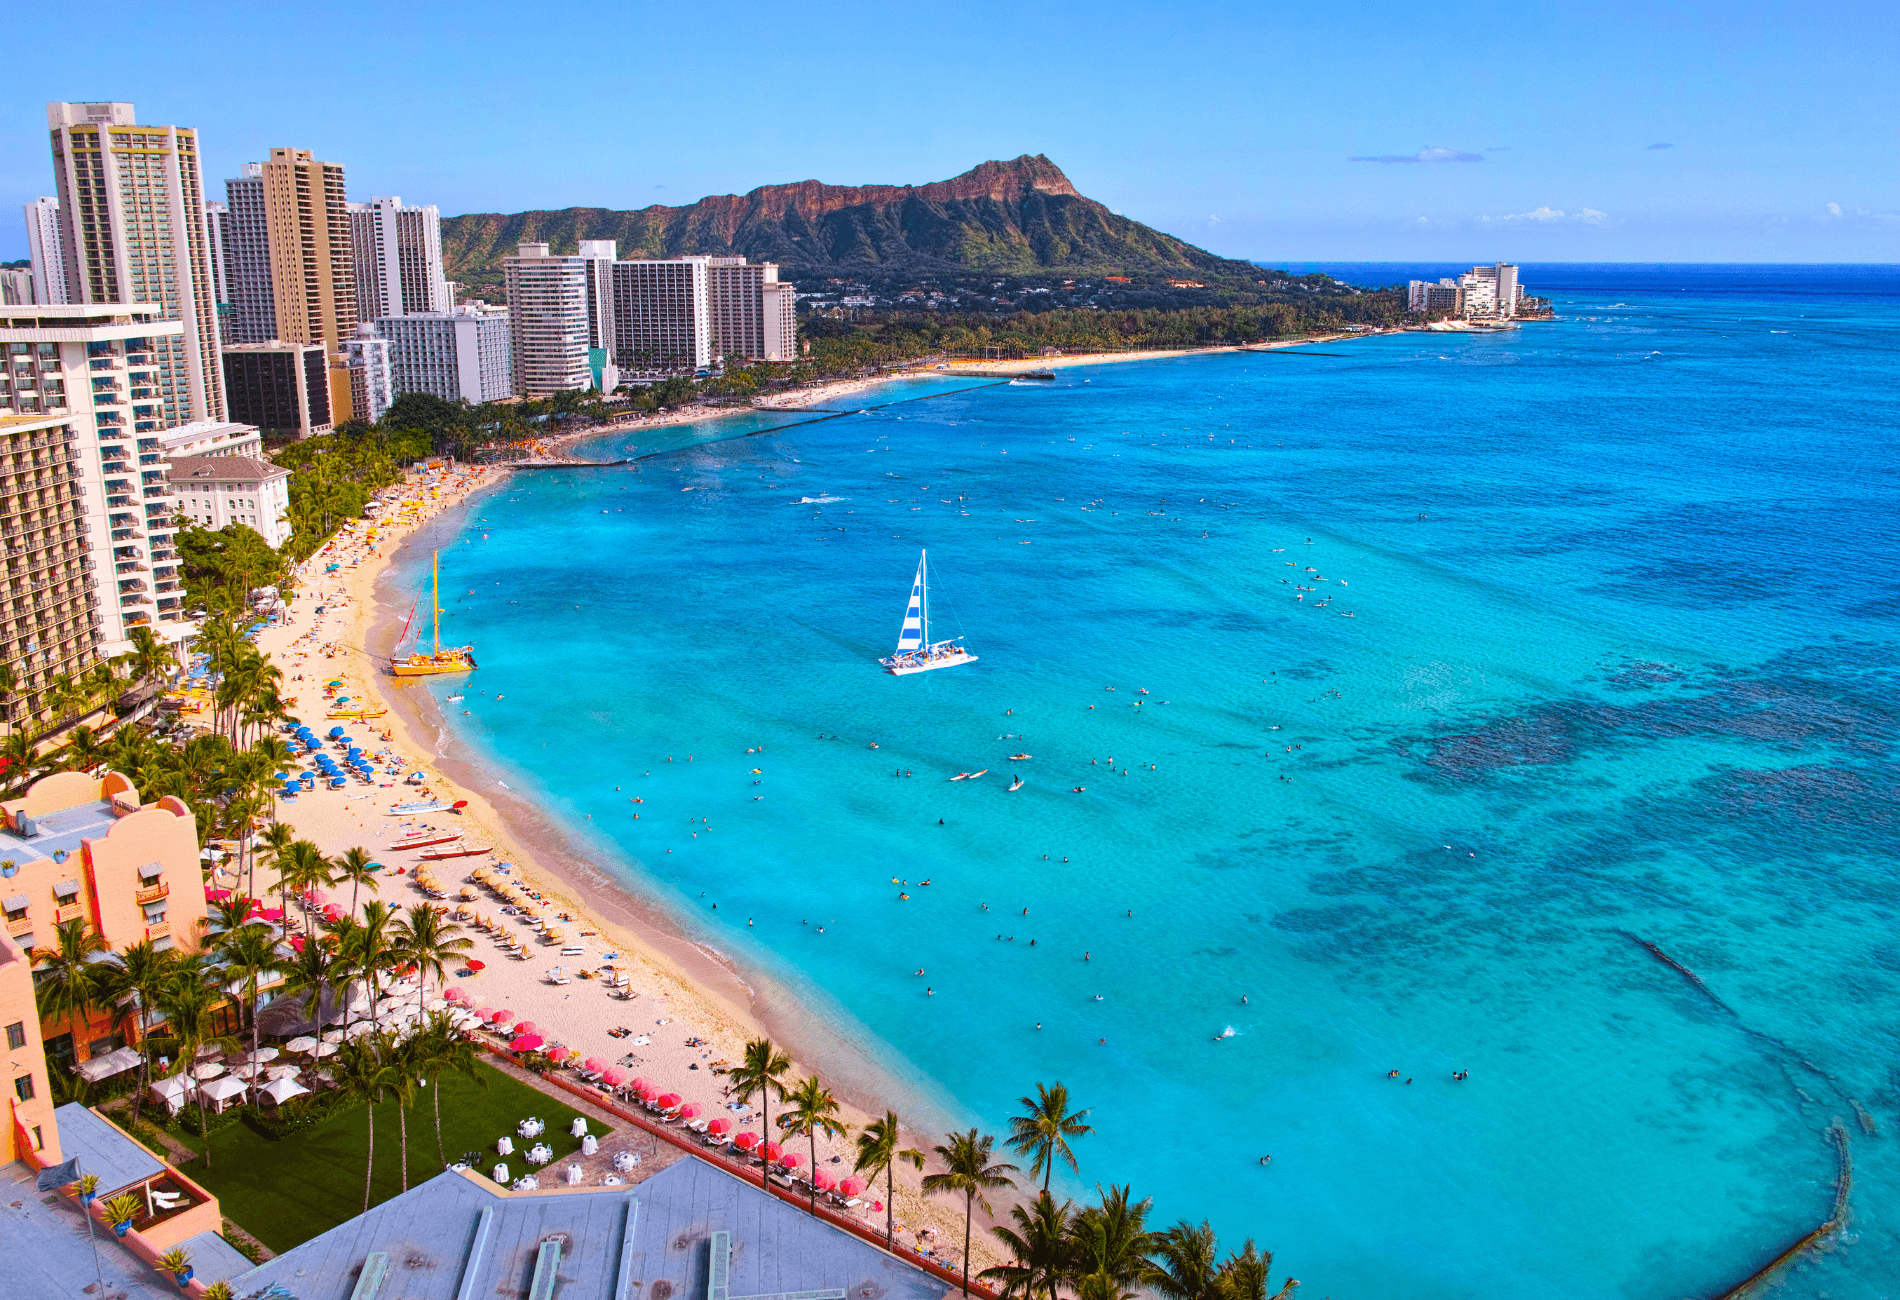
{"points": [[1602, 132]]}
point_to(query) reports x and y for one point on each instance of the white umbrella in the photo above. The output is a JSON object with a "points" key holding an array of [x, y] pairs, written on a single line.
{"points": [[206, 1049], [249, 1071], [437, 1004], [360, 1028], [283, 1071], [333, 1035], [323, 1050], [261, 1054], [282, 1090], [208, 1071], [300, 1044]]}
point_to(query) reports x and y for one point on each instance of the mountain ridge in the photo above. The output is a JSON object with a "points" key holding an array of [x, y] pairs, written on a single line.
{"points": [[1017, 217]]}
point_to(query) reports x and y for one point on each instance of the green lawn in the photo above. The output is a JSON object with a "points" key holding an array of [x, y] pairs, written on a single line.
{"points": [[286, 1192]]}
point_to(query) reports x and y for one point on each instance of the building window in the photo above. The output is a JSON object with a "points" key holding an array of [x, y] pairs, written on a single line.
{"points": [[23, 1087], [16, 1034]]}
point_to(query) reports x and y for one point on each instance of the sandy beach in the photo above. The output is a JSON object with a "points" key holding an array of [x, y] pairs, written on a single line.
{"points": [[689, 1009]]}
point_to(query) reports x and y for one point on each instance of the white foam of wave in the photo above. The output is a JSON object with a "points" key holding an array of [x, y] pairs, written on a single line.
{"points": [[816, 501]]}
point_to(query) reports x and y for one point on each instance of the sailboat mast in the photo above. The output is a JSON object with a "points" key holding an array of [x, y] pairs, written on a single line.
{"points": [[435, 597], [923, 583]]}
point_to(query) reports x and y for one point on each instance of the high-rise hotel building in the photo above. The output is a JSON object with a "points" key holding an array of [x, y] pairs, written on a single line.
{"points": [[247, 267], [663, 316], [754, 315], [312, 261], [560, 318], [43, 247], [132, 226], [398, 252]]}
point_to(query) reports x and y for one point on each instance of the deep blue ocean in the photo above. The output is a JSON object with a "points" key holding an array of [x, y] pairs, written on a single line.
{"points": [[1617, 685]]}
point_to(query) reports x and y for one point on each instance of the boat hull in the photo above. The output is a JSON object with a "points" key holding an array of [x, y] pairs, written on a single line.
{"points": [[433, 665], [950, 660]]}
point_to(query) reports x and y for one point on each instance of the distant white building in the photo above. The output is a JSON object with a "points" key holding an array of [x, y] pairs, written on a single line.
{"points": [[371, 389], [398, 258], [44, 245], [1480, 294], [216, 491], [16, 286], [556, 313], [460, 355]]}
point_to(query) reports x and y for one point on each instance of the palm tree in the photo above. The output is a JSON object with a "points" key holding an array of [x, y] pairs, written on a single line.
{"points": [[440, 1050], [761, 1074], [302, 868], [362, 1076], [355, 868], [1044, 1130], [402, 1085], [190, 1000], [367, 946], [276, 841], [967, 1170], [1109, 1244], [1039, 1247], [313, 972], [430, 940], [250, 953], [1186, 1264], [20, 753], [85, 750], [1246, 1276], [149, 656], [70, 982], [878, 1152], [813, 1111], [133, 985]]}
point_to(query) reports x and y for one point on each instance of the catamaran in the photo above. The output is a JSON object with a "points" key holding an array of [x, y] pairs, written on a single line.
{"points": [[916, 653], [455, 659]]}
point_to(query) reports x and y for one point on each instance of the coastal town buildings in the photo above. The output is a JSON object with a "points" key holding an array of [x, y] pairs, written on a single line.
{"points": [[211, 438], [554, 312], [754, 314], [1480, 296], [85, 486], [662, 316], [132, 230], [312, 258], [1482, 293], [44, 250], [246, 258], [459, 355], [215, 216], [215, 491], [366, 356], [398, 251], [16, 287], [282, 388]]}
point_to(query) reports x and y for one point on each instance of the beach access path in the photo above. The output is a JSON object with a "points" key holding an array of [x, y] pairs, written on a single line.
{"points": [[688, 1012]]}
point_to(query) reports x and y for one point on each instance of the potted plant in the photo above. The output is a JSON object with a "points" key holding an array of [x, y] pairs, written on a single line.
{"points": [[121, 1210], [177, 1262], [86, 1188], [220, 1291]]}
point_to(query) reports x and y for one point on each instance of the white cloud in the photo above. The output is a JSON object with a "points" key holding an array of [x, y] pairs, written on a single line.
{"points": [[1591, 217], [1834, 209], [1212, 220], [1545, 213], [1431, 153]]}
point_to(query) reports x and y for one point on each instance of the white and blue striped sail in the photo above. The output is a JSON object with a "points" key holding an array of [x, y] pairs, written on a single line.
{"points": [[912, 636]]}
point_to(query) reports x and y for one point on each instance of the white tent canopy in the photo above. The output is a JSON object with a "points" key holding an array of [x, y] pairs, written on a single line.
{"points": [[171, 1093], [109, 1064], [282, 1090], [219, 1091]]}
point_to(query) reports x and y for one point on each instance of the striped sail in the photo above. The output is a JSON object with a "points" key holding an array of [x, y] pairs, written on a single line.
{"points": [[912, 637]]}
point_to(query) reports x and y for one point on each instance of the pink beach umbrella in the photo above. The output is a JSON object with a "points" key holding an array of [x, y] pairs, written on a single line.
{"points": [[719, 1126], [668, 1100], [823, 1181], [773, 1151], [850, 1186], [274, 915], [525, 1043], [315, 897], [640, 1084], [503, 1016], [216, 895], [594, 1065], [689, 1111], [746, 1140], [559, 1054], [526, 1027], [451, 995], [296, 943], [789, 1160], [612, 1077]]}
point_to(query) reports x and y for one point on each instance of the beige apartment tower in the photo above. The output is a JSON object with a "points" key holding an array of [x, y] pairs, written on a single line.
{"points": [[312, 260], [132, 227]]}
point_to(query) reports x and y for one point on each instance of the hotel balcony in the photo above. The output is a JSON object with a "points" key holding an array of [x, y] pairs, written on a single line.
{"points": [[158, 931], [22, 926], [105, 363], [152, 895], [70, 912]]}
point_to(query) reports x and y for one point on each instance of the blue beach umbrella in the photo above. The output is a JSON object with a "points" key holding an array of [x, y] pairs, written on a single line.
{"points": [[335, 732]]}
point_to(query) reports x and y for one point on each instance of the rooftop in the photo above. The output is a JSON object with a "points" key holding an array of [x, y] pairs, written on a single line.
{"points": [[56, 831], [103, 1149], [223, 469], [691, 1232]]}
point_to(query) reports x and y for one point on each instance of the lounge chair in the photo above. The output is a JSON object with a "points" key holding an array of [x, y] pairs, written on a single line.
{"points": [[167, 1200]]}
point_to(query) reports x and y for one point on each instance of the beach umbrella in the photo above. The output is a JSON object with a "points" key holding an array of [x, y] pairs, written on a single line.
{"points": [[773, 1151], [720, 1125], [850, 1186], [216, 895], [668, 1100], [746, 1140], [558, 1054], [325, 1049], [823, 1181], [525, 1043], [612, 1077], [284, 1071], [209, 1070], [451, 995], [525, 1027], [333, 1035], [594, 1064], [789, 1160], [261, 1054], [335, 732], [640, 1084], [300, 1044], [689, 1111]]}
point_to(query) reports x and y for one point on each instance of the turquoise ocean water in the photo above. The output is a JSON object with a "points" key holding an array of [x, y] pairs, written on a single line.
{"points": [[1619, 673]]}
